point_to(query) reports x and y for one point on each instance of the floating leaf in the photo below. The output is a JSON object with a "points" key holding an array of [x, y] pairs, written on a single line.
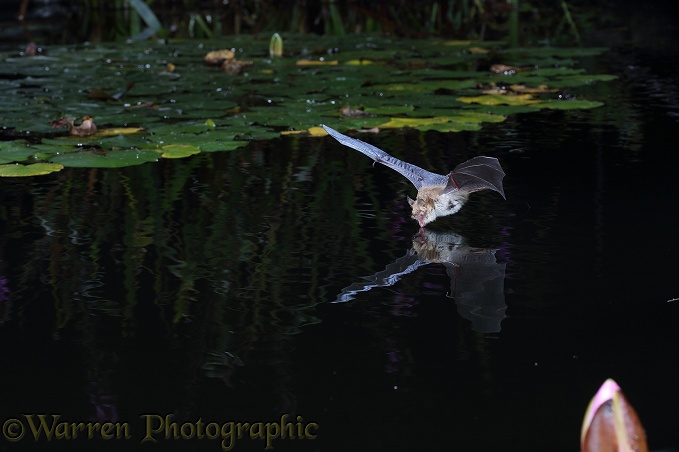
{"points": [[119, 131], [456, 43], [496, 99], [312, 131], [451, 127], [178, 151], [472, 116], [396, 123], [113, 159], [451, 85], [218, 146], [34, 169], [361, 62], [393, 81], [568, 104], [478, 50], [16, 151], [317, 131], [317, 63], [504, 110], [390, 110]]}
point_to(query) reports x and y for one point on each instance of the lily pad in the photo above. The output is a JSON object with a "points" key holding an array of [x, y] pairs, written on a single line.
{"points": [[178, 151], [17, 151], [441, 124], [569, 104], [143, 109], [472, 116], [219, 146], [34, 169], [497, 99], [112, 159]]}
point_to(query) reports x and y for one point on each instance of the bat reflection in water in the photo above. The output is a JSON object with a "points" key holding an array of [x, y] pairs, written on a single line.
{"points": [[437, 194], [477, 279]]}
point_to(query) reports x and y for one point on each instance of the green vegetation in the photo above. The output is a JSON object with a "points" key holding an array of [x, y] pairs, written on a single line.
{"points": [[144, 101]]}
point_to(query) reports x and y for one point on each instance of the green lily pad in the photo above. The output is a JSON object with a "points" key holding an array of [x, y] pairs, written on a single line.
{"points": [[452, 126], [217, 146], [425, 84], [113, 159], [451, 85], [17, 151], [504, 110], [34, 169], [390, 110], [569, 104]]}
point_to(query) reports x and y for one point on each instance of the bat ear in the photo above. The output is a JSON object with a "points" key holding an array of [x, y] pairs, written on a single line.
{"points": [[410, 201]]}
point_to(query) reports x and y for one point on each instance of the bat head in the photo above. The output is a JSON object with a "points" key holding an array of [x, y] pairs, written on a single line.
{"points": [[424, 209], [434, 202]]}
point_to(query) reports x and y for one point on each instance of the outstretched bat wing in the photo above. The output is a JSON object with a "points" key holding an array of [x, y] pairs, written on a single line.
{"points": [[418, 176], [476, 174]]}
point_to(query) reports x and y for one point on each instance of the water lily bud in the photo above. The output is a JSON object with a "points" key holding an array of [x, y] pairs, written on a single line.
{"points": [[611, 424], [276, 46]]}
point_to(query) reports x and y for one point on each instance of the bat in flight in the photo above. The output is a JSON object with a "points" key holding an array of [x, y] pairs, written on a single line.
{"points": [[438, 195]]}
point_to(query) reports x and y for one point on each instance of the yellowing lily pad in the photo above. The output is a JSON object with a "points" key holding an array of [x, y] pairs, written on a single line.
{"points": [[358, 62], [478, 50], [464, 120], [317, 131], [497, 99], [178, 151], [317, 63], [456, 43], [35, 169], [432, 88], [396, 123], [118, 131], [311, 131]]}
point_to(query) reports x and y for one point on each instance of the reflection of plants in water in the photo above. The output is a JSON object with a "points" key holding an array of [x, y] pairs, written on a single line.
{"points": [[218, 246]]}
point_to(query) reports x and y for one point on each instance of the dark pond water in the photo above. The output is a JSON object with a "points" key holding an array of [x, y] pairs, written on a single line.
{"points": [[230, 287]]}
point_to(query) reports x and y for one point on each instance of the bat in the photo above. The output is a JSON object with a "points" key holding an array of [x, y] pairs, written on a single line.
{"points": [[438, 195], [476, 277]]}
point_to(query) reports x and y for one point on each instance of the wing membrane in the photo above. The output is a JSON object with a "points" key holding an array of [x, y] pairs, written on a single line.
{"points": [[476, 174]]}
